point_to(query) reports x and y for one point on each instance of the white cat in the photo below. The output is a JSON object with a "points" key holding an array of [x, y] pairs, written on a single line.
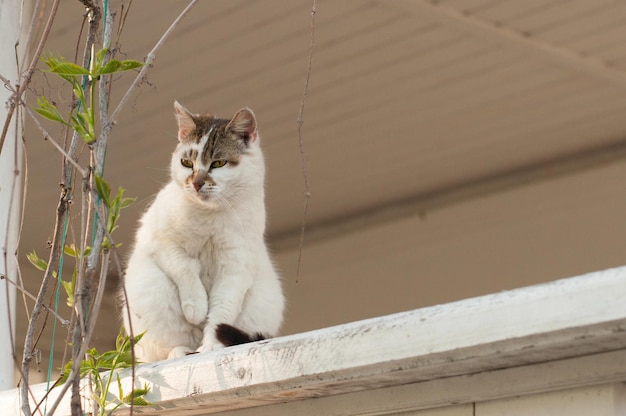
{"points": [[200, 258]]}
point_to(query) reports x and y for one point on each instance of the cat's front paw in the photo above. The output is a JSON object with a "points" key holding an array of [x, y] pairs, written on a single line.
{"points": [[196, 308], [209, 346], [209, 342]]}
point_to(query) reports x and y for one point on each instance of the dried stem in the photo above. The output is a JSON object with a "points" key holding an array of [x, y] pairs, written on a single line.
{"points": [[307, 191], [25, 80], [33, 25], [148, 63], [63, 321], [53, 264], [47, 137], [82, 294]]}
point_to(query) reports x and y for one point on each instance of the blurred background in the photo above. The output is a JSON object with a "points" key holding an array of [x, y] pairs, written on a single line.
{"points": [[454, 148]]}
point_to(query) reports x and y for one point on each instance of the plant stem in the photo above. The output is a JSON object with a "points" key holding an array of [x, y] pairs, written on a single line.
{"points": [[82, 296], [47, 137], [25, 80], [53, 264], [19, 287], [149, 59], [299, 122]]}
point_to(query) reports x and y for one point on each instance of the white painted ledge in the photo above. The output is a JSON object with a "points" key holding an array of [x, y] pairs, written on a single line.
{"points": [[563, 334]]}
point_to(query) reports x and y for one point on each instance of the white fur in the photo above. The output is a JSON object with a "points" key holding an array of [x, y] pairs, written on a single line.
{"points": [[200, 260]]}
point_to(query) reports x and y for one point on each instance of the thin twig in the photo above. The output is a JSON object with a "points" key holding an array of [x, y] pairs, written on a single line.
{"points": [[53, 264], [47, 137], [307, 191], [7, 83], [82, 295], [104, 271], [75, 371], [25, 80], [33, 25], [62, 320], [149, 59]]}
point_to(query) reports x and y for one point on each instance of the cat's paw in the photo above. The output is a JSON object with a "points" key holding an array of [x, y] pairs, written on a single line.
{"points": [[209, 346], [179, 351], [196, 308]]}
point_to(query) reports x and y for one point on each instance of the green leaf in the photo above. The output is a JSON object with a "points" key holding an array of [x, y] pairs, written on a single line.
{"points": [[126, 202], [70, 250], [65, 373], [115, 65], [119, 385], [100, 55], [137, 397], [69, 290], [48, 110], [79, 93], [104, 190], [121, 340], [51, 61], [83, 125], [67, 369], [129, 64], [112, 66], [34, 259], [68, 68], [138, 337], [78, 125]]}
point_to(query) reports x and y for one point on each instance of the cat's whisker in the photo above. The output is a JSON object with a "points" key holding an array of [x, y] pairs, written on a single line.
{"points": [[235, 214], [235, 197]]}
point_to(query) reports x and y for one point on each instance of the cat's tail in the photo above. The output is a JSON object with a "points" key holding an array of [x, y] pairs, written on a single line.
{"points": [[229, 335]]}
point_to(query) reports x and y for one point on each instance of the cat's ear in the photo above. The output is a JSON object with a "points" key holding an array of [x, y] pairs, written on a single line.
{"points": [[243, 124], [186, 123]]}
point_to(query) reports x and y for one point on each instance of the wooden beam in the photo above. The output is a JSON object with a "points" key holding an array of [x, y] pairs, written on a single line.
{"points": [[552, 322]]}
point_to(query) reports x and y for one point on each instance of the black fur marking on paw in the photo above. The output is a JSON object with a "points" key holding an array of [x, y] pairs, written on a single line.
{"points": [[229, 335]]}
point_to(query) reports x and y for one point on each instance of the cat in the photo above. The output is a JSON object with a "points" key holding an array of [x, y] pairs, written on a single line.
{"points": [[200, 275]]}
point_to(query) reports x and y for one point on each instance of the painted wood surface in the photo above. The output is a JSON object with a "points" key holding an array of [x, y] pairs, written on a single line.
{"points": [[515, 342]]}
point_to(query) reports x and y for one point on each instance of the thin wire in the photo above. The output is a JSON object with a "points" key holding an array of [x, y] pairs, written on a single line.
{"points": [[56, 308]]}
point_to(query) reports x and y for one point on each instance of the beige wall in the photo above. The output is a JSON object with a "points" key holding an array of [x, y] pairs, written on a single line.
{"points": [[536, 233]]}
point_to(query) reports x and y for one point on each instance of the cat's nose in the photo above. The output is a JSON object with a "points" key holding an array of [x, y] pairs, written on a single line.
{"points": [[198, 185]]}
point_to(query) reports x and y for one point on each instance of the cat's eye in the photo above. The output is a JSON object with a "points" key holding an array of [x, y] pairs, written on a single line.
{"points": [[186, 163], [218, 163]]}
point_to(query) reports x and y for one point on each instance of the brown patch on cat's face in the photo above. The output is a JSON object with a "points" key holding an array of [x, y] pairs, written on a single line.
{"points": [[221, 143], [211, 150]]}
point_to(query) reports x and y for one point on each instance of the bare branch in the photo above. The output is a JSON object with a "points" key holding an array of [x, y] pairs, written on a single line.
{"points": [[36, 17], [53, 264], [63, 321], [47, 137], [25, 80], [149, 59], [300, 121]]}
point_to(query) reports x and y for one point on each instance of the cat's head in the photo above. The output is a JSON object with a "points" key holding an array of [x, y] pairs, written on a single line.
{"points": [[216, 159]]}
